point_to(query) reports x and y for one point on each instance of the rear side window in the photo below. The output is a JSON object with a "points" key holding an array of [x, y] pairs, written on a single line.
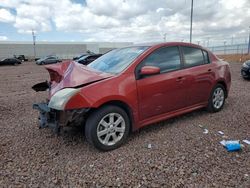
{"points": [[193, 56], [166, 58]]}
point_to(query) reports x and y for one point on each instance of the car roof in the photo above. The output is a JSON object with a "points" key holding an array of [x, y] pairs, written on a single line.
{"points": [[160, 44]]}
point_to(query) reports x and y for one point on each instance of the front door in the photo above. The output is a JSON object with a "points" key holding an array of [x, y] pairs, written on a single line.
{"points": [[164, 92]]}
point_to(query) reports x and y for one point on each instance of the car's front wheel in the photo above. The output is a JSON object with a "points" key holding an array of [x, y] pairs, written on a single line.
{"points": [[217, 98], [107, 128]]}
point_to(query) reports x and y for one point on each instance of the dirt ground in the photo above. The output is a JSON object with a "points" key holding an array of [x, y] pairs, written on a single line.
{"points": [[235, 57], [181, 155]]}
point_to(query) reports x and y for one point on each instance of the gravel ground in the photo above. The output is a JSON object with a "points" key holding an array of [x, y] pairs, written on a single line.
{"points": [[181, 155]]}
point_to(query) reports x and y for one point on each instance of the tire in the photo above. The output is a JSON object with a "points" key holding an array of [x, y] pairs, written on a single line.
{"points": [[217, 98], [112, 134]]}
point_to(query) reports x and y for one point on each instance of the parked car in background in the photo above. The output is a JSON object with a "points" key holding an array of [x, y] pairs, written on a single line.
{"points": [[245, 70], [10, 61], [84, 54], [48, 60], [20, 57], [87, 59], [129, 88]]}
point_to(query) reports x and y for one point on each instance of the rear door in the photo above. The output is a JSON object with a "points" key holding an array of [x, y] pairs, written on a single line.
{"points": [[200, 71], [164, 92], [51, 60]]}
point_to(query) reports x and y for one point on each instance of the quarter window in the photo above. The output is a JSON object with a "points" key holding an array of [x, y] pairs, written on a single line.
{"points": [[192, 56], [206, 57], [166, 58]]}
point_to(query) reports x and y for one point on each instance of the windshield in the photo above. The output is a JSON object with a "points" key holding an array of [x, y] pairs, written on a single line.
{"points": [[82, 58], [117, 60], [247, 62], [46, 57]]}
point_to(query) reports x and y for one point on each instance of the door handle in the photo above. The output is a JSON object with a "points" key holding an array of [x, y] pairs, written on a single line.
{"points": [[180, 79]]}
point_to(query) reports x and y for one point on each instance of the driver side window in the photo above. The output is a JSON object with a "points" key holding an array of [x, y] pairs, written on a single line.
{"points": [[166, 58]]}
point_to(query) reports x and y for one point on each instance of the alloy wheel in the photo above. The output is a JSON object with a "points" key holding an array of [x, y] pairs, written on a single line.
{"points": [[218, 98], [111, 129]]}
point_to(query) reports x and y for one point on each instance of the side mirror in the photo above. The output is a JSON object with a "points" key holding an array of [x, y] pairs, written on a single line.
{"points": [[149, 70]]}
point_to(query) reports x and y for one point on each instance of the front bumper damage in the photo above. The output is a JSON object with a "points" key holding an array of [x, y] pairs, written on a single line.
{"points": [[57, 119]]}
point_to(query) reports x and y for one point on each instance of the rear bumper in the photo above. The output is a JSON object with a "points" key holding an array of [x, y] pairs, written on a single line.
{"points": [[56, 119]]}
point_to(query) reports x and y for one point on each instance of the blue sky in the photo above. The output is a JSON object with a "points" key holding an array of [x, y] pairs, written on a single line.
{"points": [[8, 30], [215, 21]]}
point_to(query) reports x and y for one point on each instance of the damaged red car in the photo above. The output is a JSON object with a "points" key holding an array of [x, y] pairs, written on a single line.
{"points": [[132, 87]]}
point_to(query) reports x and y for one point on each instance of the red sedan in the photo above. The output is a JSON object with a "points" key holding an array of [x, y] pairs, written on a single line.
{"points": [[132, 87]]}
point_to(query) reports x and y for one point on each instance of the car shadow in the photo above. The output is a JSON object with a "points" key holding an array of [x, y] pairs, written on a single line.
{"points": [[166, 124], [75, 135], [10, 65]]}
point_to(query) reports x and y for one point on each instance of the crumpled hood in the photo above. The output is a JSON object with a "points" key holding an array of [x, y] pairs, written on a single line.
{"points": [[74, 75]]}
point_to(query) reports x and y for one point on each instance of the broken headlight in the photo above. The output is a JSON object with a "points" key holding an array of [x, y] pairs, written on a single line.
{"points": [[60, 99]]}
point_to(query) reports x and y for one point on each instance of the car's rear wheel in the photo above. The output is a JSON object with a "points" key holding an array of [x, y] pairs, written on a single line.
{"points": [[217, 98], [107, 128]]}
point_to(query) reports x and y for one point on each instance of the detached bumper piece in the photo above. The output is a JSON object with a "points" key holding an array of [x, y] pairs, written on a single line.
{"points": [[56, 119], [47, 117], [43, 86]]}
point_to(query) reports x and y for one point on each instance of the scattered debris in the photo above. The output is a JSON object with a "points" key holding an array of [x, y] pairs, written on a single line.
{"points": [[246, 141], [221, 133], [149, 146], [201, 126], [231, 145], [205, 131], [223, 142]]}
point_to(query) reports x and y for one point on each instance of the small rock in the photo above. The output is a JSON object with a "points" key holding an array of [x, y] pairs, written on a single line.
{"points": [[194, 173], [224, 136]]}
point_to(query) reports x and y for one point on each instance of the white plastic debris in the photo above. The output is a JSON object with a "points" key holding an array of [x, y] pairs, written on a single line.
{"points": [[205, 131], [149, 146], [221, 133], [223, 142], [246, 141], [201, 126]]}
